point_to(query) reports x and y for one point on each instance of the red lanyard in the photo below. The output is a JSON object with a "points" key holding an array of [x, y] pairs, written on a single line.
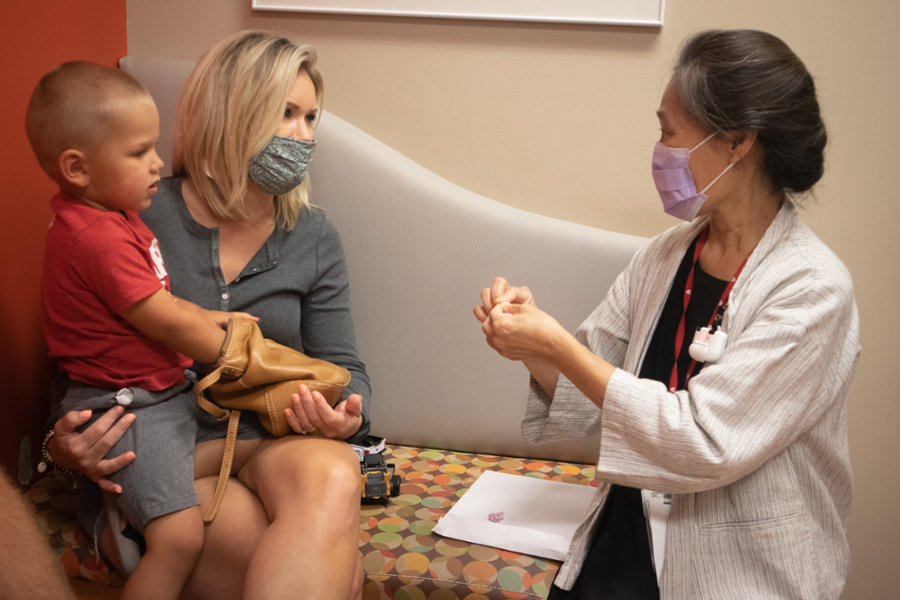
{"points": [[679, 337]]}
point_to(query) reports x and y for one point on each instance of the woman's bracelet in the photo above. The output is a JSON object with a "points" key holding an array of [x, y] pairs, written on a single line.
{"points": [[47, 460]]}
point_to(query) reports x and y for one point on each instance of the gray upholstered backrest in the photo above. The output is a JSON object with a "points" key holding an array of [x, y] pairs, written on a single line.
{"points": [[163, 78], [420, 250]]}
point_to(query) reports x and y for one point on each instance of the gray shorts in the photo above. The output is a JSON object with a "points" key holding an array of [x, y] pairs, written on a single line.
{"points": [[161, 478]]}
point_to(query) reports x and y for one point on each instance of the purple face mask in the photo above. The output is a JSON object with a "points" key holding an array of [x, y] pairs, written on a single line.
{"points": [[674, 182]]}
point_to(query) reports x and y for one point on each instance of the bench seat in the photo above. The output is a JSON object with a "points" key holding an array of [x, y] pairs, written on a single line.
{"points": [[402, 558]]}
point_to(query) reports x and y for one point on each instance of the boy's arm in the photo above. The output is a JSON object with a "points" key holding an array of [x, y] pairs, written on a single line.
{"points": [[173, 323], [188, 304], [216, 317]]}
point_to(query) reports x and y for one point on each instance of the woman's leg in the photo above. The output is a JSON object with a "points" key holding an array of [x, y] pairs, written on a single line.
{"points": [[358, 580], [229, 542], [310, 490]]}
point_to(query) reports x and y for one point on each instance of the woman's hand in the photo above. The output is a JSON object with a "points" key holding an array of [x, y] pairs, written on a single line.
{"points": [[311, 413], [518, 330], [86, 451], [522, 331], [500, 291]]}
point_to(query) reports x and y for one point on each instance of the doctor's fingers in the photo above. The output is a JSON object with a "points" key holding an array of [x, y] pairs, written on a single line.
{"points": [[492, 318], [487, 303], [499, 289], [480, 313], [513, 295]]}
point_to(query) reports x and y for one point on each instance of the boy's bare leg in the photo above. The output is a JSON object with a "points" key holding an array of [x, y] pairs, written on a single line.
{"points": [[310, 489], [173, 544]]}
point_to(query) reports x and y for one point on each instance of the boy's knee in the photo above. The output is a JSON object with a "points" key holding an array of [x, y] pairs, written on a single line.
{"points": [[189, 542], [179, 534]]}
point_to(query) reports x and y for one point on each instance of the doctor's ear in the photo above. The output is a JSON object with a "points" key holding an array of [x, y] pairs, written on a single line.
{"points": [[741, 143], [73, 168]]}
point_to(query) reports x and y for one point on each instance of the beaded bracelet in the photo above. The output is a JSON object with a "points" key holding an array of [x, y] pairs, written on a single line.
{"points": [[47, 460]]}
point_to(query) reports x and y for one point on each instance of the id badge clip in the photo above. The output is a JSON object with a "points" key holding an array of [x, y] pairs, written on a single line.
{"points": [[708, 345]]}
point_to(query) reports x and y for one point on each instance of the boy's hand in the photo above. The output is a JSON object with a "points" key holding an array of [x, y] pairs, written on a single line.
{"points": [[220, 319], [216, 317]]}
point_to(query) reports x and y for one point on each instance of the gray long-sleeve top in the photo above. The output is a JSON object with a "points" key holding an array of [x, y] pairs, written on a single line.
{"points": [[296, 283]]}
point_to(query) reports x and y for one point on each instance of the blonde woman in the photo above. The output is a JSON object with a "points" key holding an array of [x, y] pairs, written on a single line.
{"points": [[237, 233]]}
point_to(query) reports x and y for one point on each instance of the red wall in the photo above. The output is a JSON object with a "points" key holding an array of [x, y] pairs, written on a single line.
{"points": [[34, 36]]}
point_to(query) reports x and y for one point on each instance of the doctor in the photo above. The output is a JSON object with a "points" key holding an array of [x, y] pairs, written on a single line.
{"points": [[716, 369]]}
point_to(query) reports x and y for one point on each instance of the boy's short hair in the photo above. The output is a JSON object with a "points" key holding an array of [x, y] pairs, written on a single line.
{"points": [[71, 107]]}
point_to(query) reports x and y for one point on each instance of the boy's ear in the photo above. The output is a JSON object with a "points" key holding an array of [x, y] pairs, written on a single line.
{"points": [[73, 168]]}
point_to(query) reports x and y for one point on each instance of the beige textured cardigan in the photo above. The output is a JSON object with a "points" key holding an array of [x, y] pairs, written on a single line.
{"points": [[755, 450]]}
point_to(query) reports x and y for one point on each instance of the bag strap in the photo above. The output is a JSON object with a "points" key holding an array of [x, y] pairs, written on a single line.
{"points": [[220, 413], [227, 458], [216, 411]]}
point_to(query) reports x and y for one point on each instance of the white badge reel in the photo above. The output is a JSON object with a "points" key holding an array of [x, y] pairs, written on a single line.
{"points": [[708, 346]]}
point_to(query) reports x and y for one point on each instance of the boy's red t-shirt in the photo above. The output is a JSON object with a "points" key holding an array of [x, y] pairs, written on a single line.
{"points": [[96, 264]]}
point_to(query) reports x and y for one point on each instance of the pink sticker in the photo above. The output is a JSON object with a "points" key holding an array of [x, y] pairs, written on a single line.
{"points": [[495, 517]]}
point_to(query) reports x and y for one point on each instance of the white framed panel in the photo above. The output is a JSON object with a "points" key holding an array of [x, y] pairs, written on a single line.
{"points": [[613, 12]]}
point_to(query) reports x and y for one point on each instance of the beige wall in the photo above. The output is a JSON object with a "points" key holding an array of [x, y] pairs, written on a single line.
{"points": [[560, 120]]}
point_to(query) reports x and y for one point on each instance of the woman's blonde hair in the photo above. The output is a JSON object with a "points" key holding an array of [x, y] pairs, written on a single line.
{"points": [[230, 108]]}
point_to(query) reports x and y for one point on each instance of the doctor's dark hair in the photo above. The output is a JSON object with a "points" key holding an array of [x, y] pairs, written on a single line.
{"points": [[746, 80]]}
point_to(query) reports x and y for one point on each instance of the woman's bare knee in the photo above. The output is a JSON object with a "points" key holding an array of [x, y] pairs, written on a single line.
{"points": [[295, 468], [338, 475]]}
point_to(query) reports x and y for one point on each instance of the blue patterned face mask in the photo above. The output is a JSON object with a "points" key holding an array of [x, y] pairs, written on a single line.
{"points": [[282, 165]]}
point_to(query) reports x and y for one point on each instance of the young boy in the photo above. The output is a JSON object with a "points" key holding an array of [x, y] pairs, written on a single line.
{"points": [[108, 316]]}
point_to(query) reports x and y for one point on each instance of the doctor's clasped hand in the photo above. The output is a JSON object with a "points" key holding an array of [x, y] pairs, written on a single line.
{"points": [[510, 319], [518, 330]]}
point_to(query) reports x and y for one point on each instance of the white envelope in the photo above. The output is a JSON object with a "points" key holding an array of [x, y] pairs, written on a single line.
{"points": [[522, 514]]}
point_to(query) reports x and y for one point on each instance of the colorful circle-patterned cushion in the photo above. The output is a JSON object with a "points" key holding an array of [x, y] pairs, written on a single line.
{"points": [[402, 558], [55, 514]]}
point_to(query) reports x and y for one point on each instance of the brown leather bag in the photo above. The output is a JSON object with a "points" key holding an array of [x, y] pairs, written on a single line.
{"points": [[257, 374]]}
